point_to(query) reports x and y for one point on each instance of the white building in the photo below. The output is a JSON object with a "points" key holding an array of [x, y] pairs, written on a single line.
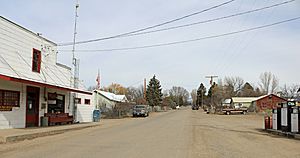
{"points": [[107, 100], [238, 102], [32, 83], [84, 107]]}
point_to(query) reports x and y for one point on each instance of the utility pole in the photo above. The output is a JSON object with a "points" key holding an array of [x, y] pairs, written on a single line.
{"points": [[211, 79], [75, 62], [202, 98], [145, 88]]}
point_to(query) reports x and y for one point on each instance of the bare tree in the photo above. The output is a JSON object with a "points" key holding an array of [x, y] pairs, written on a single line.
{"points": [[294, 89], [134, 94], [180, 94], [233, 85], [275, 84], [285, 91], [290, 91], [268, 83]]}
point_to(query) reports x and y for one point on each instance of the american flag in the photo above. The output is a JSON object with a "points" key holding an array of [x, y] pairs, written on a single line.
{"points": [[98, 80]]}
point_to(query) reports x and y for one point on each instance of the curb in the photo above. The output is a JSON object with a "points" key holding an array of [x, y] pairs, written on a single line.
{"points": [[283, 134], [29, 136]]}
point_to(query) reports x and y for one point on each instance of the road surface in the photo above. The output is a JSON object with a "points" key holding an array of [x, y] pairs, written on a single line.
{"points": [[174, 134]]}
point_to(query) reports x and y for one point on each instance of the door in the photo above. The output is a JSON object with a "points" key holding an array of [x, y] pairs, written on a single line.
{"points": [[32, 106]]}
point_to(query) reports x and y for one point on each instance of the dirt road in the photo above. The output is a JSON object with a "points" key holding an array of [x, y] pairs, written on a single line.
{"points": [[176, 134]]}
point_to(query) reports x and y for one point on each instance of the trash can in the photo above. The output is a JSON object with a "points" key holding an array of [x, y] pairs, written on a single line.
{"points": [[96, 115], [44, 121]]}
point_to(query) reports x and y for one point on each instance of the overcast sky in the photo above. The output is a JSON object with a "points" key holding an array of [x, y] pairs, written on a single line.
{"points": [[275, 49]]}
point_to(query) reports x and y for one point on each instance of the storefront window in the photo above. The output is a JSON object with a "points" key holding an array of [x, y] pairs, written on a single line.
{"points": [[9, 99], [56, 103]]}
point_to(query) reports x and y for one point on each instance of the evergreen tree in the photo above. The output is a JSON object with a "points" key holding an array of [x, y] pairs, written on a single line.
{"points": [[212, 90], [153, 92], [200, 94], [247, 90]]}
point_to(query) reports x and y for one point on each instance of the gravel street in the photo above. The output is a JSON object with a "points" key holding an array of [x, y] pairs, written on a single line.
{"points": [[174, 134]]}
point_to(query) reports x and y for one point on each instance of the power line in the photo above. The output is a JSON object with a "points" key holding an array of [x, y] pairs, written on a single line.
{"points": [[191, 40], [238, 52], [150, 27], [210, 20]]}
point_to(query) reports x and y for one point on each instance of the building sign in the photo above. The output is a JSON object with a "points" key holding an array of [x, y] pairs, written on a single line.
{"points": [[5, 108], [51, 101], [291, 103]]}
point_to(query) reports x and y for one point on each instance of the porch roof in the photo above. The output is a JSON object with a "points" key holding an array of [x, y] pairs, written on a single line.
{"points": [[36, 83]]}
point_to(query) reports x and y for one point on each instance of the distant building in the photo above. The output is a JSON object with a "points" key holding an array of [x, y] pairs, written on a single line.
{"points": [[32, 83], [227, 103], [107, 100], [267, 102], [242, 101]]}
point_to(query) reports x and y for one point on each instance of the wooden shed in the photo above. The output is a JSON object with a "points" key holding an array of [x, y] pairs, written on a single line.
{"points": [[267, 102]]}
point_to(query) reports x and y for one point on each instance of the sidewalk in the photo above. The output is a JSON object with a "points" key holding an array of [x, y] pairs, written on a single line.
{"points": [[14, 135], [285, 134]]}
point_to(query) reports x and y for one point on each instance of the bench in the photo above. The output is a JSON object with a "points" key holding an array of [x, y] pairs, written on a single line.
{"points": [[60, 118]]}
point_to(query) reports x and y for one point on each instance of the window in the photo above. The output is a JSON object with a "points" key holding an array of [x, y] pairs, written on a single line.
{"points": [[9, 99], [87, 101], [56, 103], [77, 100], [36, 60]]}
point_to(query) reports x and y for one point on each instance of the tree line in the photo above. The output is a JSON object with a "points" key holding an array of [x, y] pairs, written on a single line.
{"points": [[214, 95], [237, 87]]}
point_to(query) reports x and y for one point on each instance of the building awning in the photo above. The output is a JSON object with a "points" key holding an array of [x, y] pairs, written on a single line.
{"points": [[7, 78]]}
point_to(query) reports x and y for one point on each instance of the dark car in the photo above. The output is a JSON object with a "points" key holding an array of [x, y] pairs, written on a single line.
{"points": [[140, 110], [195, 107]]}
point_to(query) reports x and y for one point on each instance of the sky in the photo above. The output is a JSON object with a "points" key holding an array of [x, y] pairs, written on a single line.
{"points": [[247, 55]]}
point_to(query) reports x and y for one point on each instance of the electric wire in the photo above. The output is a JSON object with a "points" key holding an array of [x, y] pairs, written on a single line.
{"points": [[150, 27], [191, 40], [234, 45], [240, 52], [210, 20]]}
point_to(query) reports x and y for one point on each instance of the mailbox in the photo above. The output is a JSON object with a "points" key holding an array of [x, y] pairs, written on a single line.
{"points": [[295, 119]]}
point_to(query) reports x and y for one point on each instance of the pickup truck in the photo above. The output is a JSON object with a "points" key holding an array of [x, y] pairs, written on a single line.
{"points": [[232, 110]]}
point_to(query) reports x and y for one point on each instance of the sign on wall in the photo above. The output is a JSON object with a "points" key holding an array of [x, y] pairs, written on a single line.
{"points": [[5, 108]]}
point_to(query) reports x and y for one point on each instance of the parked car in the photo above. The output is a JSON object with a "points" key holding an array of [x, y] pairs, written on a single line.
{"points": [[140, 110], [195, 107], [177, 107]]}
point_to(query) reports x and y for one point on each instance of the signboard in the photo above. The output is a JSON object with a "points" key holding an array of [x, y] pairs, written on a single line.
{"points": [[5, 108], [291, 103], [51, 101]]}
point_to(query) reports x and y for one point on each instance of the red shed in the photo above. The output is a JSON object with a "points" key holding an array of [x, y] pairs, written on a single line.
{"points": [[268, 102]]}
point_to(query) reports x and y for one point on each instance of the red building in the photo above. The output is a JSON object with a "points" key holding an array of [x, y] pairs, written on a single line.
{"points": [[268, 102]]}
